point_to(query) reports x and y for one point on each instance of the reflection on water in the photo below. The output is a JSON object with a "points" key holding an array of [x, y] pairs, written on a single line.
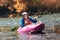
{"points": [[31, 37], [10, 36], [51, 36]]}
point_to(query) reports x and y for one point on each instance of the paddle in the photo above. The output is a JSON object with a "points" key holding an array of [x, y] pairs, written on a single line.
{"points": [[15, 28]]}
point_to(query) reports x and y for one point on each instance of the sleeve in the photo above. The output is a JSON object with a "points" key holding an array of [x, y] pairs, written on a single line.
{"points": [[33, 20], [21, 23]]}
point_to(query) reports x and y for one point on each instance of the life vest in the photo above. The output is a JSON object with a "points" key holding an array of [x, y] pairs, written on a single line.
{"points": [[27, 22]]}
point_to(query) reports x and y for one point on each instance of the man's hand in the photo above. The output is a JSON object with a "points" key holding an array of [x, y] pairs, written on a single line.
{"points": [[35, 17]]}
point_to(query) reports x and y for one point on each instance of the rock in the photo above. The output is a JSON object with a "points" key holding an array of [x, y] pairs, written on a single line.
{"points": [[5, 29], [57, 29], [0, 38], [15, 33], [1, 29]]}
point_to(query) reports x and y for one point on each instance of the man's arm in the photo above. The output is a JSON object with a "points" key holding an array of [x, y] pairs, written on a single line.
{"points": [[33, 20], [22, 23]]}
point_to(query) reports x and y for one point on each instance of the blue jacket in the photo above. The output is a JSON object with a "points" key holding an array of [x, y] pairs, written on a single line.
{"points": [[22, 24]]}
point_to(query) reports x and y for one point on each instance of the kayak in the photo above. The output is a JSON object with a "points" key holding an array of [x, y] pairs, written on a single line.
{"points": [[31, 27]]}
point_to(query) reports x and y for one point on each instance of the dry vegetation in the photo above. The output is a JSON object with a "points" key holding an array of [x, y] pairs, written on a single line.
{"points": [[20, 5], [31, 6]]}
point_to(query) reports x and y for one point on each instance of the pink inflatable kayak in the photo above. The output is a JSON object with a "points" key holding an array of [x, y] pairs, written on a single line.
{"points": [[31, 27]]}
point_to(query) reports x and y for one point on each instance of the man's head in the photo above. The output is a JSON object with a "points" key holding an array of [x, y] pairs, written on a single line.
{"points": [[25, 15]]}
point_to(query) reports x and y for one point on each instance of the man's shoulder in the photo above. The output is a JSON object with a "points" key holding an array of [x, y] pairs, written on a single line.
{"points": [[30, 18], [21, 19]]}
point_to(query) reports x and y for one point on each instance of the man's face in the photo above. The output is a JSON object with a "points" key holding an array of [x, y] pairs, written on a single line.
{"points": [[25, 16]]}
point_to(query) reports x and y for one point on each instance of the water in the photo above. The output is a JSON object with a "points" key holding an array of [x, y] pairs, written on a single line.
{"points": [[9, 22], [47, 19], [51, 36]]}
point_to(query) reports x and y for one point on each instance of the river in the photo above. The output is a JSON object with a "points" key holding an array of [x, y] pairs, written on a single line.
{"points": [[49, 20]]}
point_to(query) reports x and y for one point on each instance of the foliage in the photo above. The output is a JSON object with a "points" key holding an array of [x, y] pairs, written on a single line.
{"points": [[33, 6]]}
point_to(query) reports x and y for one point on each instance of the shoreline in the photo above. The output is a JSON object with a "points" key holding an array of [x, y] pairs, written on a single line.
{"points": [[12, 16]]}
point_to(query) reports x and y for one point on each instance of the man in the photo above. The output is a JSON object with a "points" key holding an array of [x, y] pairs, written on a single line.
{"points": [[26, 20]]}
